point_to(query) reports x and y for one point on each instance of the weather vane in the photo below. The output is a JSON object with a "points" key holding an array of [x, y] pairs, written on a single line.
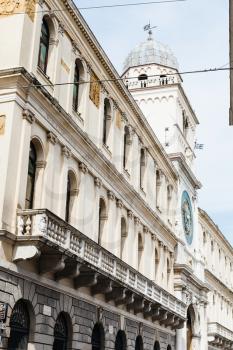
{"points": [[148, 28]]}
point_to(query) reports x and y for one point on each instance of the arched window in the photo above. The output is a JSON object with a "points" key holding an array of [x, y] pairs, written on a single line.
{"points": [[140, 251], [189, 324], [142, 167], [68, 196], [98, 338], [169, 347], [76, 88], [185, 124], [107, 121], [20, 327], [143, 78], [121, 342], [31, 177], [44, 47], [157, 345], [60, 333], [123, 236], [102, 219], [156, 263], [168, 272], [126, 150], [139, 343]]}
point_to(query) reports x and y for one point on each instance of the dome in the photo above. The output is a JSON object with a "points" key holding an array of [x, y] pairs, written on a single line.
{"points": [[151, 51]]}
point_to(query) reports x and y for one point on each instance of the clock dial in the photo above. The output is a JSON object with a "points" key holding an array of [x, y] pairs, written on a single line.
{"points": [[187, 217]]}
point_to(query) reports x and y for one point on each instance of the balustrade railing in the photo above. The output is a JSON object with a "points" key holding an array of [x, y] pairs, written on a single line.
{"points": [[217, 329], [151, 82], [43, 223]]}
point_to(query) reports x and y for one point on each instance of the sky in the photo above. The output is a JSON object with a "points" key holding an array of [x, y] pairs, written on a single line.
{"points": [[197, 32]]}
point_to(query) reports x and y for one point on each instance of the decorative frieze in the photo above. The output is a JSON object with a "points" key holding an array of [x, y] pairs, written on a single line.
{"points": [[94, 93]]}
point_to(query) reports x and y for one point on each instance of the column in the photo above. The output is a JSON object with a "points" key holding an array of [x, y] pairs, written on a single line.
{"points": [[65, 154], [48, 196]]}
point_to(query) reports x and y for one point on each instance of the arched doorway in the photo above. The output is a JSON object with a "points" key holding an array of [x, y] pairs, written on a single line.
{"points": [[121, 342], [97, 338], [189, 326], [169, 347], [139, 343], [157, 345], [60, 333], [20, 327]]}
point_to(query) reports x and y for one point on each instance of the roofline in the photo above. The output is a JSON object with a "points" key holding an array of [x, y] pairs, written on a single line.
{"points": [[204, 214], [187, 170]]}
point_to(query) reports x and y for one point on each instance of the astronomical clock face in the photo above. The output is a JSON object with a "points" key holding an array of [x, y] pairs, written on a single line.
{"points": [[187, 217]]}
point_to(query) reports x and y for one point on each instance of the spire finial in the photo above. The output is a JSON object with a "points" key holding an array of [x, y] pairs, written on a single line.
{"points": [[148, 28]]}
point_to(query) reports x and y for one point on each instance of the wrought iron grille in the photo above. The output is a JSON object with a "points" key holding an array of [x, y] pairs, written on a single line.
{"points": [[20, 325]]}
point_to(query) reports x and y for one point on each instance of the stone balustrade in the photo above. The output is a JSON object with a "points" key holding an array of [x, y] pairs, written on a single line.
{"points": [[163, 80], [220, 336], [43, 224]]}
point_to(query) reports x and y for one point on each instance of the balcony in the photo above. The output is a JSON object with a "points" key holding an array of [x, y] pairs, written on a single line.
{"points": [[220, 336], [61, 250]]}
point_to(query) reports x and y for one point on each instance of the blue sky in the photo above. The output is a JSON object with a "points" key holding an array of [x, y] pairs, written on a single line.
{"points": [[197, 32]]}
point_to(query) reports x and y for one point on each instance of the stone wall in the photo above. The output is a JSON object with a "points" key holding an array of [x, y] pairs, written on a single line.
{"points": [[45, 304]]}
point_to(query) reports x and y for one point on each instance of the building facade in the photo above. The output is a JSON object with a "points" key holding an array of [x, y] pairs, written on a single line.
{"points": [[102, 244]]}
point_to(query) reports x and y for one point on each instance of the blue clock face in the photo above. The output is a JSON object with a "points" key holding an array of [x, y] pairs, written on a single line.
{"points": [[187, 217]]}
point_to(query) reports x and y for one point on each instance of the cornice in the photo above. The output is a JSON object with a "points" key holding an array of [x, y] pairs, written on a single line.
{"points": [[189, 275], [210, 276], [186, 169], [216, 229]]}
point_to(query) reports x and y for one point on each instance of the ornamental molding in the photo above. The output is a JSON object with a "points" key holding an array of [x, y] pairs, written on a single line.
{"points": [[41, 164], [61, 28], [130, 214], [119, 203], [83, 168], [11, 7], [66, 152], [145, 229], [28, 115], [137, 221], [51, 137], [111, 195], [98, 182]]}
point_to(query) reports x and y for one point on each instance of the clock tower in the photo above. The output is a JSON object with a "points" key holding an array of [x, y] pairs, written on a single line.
{"points": [[151, 73]]}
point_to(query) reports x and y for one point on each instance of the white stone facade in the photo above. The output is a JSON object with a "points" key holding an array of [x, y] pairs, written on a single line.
{"points": [[99, 222]]}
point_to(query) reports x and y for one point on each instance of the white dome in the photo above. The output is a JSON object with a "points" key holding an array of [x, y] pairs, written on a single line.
{"points": [[151, 51]]}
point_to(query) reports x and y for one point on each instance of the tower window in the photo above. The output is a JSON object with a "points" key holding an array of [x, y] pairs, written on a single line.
{"points": [[143, 77]]}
